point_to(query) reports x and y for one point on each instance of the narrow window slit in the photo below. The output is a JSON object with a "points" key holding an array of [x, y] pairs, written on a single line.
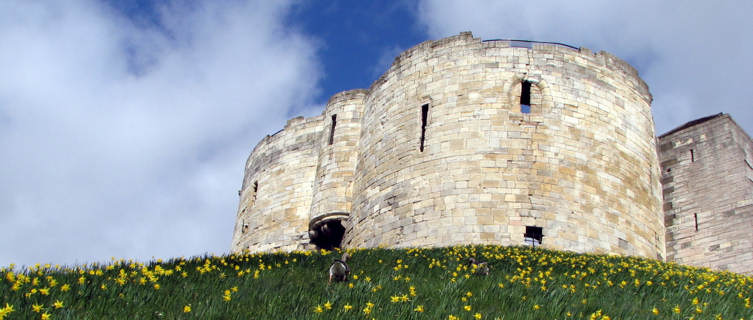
{"points": [[533, 236], [695, 216], [525, 97], [332, 129], [692, 156], [424, 116], [253, 195]]}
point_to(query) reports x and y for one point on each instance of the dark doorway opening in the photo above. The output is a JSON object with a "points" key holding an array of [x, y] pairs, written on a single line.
{"points": [[327, 235]]}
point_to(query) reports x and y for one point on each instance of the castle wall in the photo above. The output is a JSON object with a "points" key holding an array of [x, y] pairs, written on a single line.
{"points": [[582, 164], [707, 176], [338, 153], [337, 161], [276, 194]]}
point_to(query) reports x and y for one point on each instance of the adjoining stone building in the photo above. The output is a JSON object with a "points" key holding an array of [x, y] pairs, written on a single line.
{"points": [[707, 181], [464, 141]]}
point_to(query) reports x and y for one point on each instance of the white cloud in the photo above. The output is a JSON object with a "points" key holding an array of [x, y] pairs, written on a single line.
{"points": [[694, 55], [124, 140]]}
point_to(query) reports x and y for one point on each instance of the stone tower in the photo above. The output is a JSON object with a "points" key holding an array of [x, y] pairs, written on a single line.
{"points": [[707, 178], [464, 141]]}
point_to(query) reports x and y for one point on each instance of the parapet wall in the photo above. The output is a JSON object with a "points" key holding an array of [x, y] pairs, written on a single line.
{"points": [[581, 165]]}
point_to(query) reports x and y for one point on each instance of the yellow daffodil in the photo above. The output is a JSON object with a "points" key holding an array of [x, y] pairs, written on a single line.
{"points": [[58, 304], [8, 309], [187, 309]]}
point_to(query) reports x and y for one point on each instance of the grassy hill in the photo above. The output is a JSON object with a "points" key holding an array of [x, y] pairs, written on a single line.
{"points": [[524, 283]]}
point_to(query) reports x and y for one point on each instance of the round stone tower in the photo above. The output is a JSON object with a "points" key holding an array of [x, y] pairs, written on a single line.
{"points": [[464, 141]]}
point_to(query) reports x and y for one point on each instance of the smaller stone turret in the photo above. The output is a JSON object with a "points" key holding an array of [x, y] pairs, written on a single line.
{"points": [[707, 183]]}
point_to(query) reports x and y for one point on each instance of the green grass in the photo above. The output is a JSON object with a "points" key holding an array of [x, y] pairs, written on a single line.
{"points": [[524, 284]]}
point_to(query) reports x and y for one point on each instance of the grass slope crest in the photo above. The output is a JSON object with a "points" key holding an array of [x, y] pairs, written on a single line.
{"points": [[437, 283]]}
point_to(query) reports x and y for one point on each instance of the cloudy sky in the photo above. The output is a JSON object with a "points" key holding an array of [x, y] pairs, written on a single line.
{"points": [[125, 125]]}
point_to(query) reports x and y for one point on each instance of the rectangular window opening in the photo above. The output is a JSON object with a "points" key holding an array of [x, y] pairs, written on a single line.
{"points": [[692, 156], [525, 97], [332, 129], [695, 216], [424, 116], [533, 236], [253, 195]]}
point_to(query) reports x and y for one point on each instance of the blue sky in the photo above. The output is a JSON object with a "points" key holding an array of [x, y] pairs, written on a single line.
{"points": [[124, 125]]}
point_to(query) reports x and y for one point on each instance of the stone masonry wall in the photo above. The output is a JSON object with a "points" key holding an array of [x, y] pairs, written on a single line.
{"points": [[276, 194], [582, 164], [707, 177], [333, 187]]}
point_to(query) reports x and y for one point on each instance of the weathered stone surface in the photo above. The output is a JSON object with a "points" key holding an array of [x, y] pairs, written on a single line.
{"points": [[582, 164], [709, 185]]}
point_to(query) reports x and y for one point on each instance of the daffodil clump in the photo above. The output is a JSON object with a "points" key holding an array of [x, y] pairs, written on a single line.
{"points": [[523, 283]]}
